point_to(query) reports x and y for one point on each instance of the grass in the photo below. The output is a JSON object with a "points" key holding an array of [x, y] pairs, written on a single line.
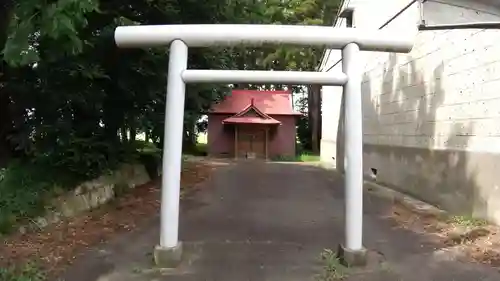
{"points": [[332, 269], [303, 157], [28, 272], [306, 157], [466, 221]]}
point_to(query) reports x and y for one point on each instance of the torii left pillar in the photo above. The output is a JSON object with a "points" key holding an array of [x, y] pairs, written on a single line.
{"points": [[169, 252]]}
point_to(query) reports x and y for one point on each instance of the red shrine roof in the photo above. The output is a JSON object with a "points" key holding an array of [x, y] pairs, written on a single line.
{"points": [[255, 117], [266, 102], [250, 120]]}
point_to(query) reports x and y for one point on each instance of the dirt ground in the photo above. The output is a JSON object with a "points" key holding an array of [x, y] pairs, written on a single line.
{"points": [[57, 246], [476, 240]]}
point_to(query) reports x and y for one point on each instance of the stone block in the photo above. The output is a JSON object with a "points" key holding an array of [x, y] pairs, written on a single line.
{"points": [[352, 258], [168, 257]]}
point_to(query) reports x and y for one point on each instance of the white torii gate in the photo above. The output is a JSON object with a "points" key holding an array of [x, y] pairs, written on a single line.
{"points": [[350, 40]]}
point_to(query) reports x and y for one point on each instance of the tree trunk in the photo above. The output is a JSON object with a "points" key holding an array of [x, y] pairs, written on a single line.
{"points": [[310, 115], [289, 88], [189, 135], [133, 134], [5, 117], [319, 118], [132, 130], [314, 109], [5, 128], [123, 132], [5, 16]]}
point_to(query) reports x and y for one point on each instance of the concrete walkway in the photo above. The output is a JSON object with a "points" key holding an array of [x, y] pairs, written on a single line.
{"points": [[270, 221]]}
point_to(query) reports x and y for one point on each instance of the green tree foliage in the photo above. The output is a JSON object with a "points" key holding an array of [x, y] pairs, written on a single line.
{"points": [[72, 103], [67, 93], [34, 20]]}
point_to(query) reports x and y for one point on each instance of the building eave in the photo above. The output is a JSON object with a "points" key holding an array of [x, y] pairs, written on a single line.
{"points": [[470, 4], [482, 14]]}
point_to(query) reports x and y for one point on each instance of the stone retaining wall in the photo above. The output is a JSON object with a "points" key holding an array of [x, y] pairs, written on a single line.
{"points": [[90, 195]]}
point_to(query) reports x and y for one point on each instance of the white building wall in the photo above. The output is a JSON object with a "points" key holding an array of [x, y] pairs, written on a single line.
{"points": [[368, 15], [431, 117], [331, 100]]}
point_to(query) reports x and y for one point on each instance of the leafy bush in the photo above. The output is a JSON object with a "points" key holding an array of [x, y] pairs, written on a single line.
{"points": [[87, 157], [284, 158], [299, 148], [200, 149], [150, 157], [304, 133], [25, 189], [27, 186], [148, 148]]}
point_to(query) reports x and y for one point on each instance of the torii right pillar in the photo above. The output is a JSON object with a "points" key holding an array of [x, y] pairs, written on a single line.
{"points": [[352, 252]]}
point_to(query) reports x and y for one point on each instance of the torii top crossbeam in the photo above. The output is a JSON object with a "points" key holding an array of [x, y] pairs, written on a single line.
{"points": [[204, 35]]}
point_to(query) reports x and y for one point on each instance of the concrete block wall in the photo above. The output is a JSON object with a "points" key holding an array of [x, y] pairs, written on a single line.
{"points": [[368, 15], [448, 85], [432, 117]]}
